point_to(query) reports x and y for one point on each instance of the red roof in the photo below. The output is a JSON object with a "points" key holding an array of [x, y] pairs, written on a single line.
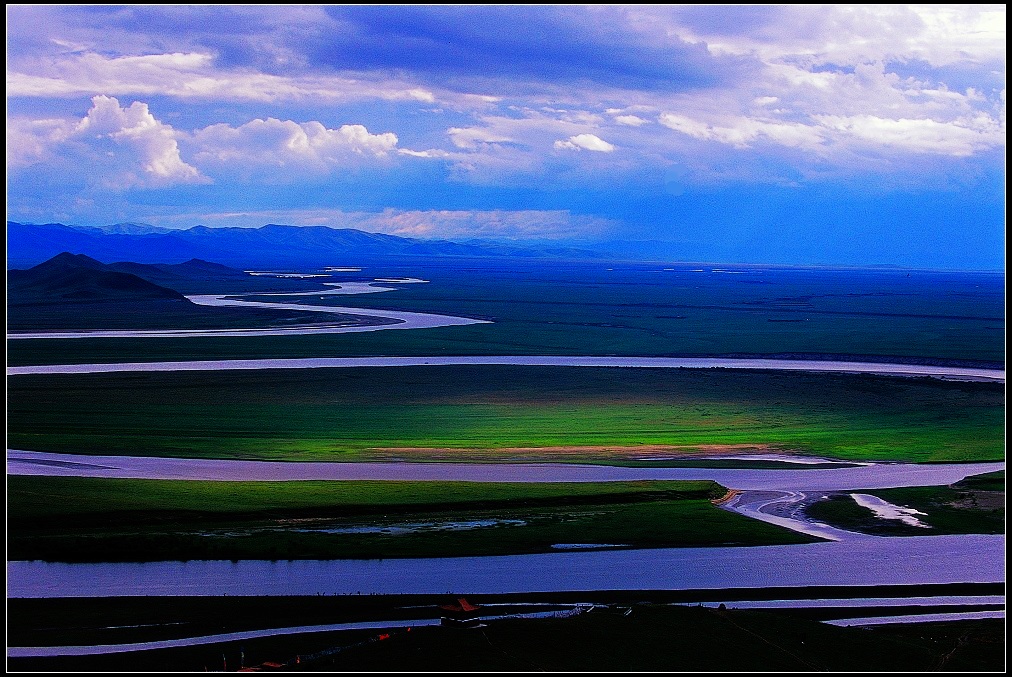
{"points": [[461, 605]]}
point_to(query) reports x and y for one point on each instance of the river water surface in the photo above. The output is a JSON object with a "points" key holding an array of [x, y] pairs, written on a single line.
{"points": [[877, 561], [871, 476]]}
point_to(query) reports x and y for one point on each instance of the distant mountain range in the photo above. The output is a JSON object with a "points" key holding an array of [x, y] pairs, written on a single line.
{"points": [[269, 246]]}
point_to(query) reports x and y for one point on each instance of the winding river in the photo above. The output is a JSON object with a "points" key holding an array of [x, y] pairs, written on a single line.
{"points": [[397, 319], [842, 559]]}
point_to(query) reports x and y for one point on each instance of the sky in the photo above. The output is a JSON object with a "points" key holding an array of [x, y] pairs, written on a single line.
{"points": [[818, 134]]}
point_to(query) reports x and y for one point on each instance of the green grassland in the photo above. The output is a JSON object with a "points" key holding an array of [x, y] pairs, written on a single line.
{"points": [[975, 505], [482, 413], [89, 519]]}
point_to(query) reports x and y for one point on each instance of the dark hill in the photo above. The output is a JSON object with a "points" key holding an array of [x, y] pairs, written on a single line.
{"points": [[70, 278], [64, 262], [172, 274], [201, 267]]}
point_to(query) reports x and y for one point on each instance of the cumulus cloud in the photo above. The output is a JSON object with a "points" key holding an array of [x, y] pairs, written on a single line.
{"points": [[584, 142], [151, 142], [127, 147], [118, 147], [272, 144]]}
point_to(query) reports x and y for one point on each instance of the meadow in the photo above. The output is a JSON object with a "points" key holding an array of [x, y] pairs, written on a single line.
{"points": [[505, 413], [975, 505], [617, 309], [104, 520]]}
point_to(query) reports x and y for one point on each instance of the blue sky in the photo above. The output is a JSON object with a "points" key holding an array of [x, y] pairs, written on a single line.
{"points": [[780, 134]]}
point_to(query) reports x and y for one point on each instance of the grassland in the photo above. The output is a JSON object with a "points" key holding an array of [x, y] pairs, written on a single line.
{"points": [[975, 505], [989, 481], [86, 519], [496, 413], [591, 309]]}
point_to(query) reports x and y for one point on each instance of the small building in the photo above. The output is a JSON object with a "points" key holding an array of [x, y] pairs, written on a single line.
{"points": [[461, 614]]}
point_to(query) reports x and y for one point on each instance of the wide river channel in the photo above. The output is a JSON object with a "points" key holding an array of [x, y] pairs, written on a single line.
{"points": [[858, 561], [865, 562], [862, 560]]}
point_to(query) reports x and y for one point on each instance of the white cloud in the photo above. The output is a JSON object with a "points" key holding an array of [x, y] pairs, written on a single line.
{"points": [[112, 146], [194, 75], [123, 147], [473, 137], [430, 153], [31, 141], [959, 138], [737, 132], [585, 142], [855, 89], [152, 142], [630, 120], [272, 144], [851, 34], [685, 125], [502, 149], [863, 134]]}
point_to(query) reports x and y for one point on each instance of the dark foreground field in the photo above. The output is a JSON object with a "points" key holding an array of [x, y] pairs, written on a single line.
{"points": [[637, 632]]}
